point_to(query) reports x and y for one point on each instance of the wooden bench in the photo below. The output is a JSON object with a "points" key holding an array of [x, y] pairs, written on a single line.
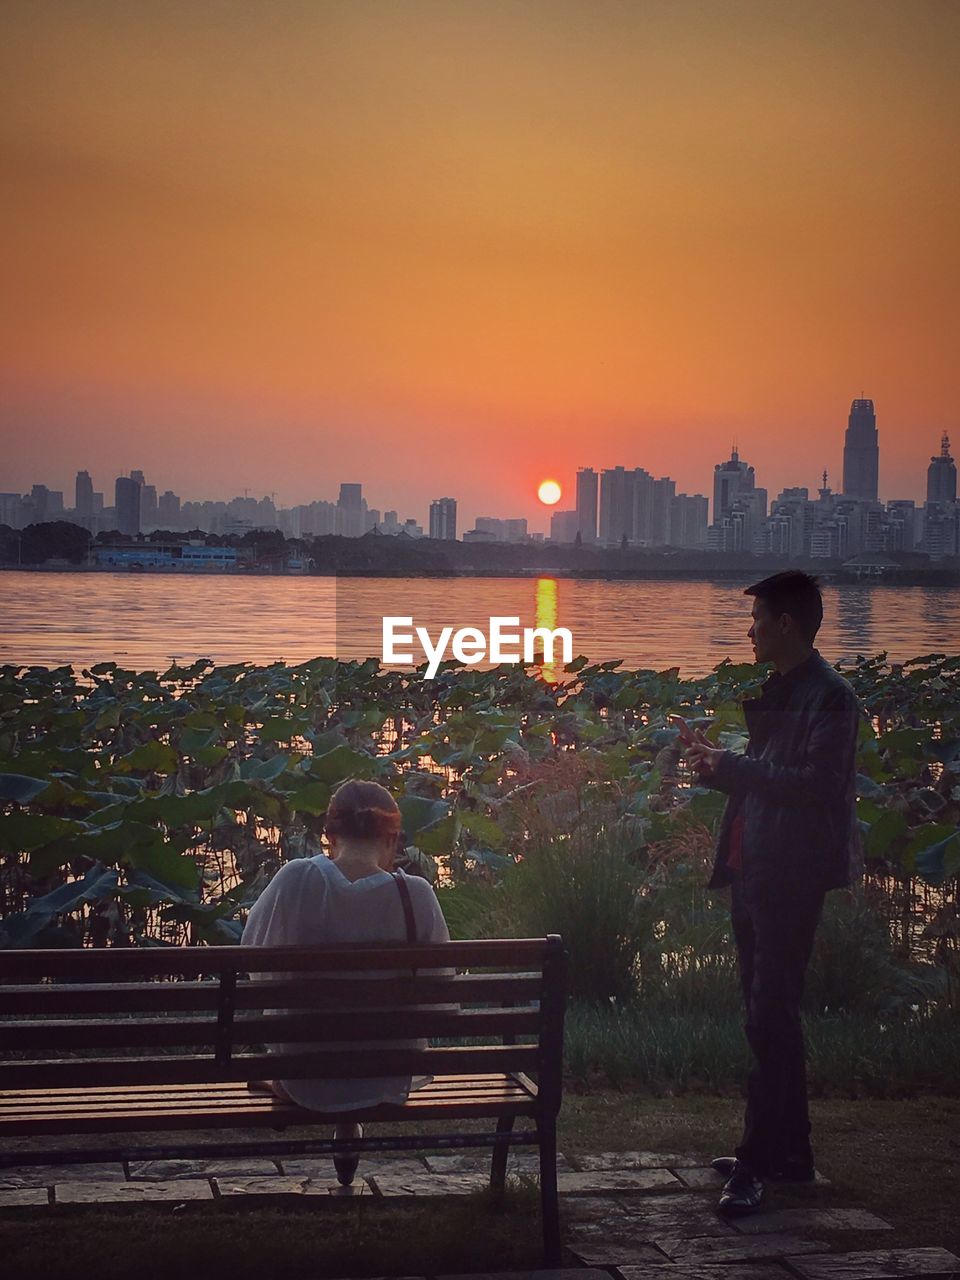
{"points": [[116, 1042]]}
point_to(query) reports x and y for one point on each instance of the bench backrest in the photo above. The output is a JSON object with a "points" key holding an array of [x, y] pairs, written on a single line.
{"points": [[191, 1015]]}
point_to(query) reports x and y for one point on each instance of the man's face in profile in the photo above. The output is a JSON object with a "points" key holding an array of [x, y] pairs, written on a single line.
{"points": [[765, 632]]}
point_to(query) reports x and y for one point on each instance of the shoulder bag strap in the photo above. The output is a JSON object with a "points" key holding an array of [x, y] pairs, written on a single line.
{"points": [[407, 905], [411, 921]]}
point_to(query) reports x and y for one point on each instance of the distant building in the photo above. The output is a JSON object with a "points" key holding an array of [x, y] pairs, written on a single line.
{"points": [[587, 504], [942, 475], [861, 452], [617, 517], [688, 520], [493, 529], [148, 506], [564, 527], [168, 510], [83, 490], [731, 480], [443, 519], [351, 510], [44, 504], [127, 502]]}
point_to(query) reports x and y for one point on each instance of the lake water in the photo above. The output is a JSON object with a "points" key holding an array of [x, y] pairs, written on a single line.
{"points": [[142, 621]]}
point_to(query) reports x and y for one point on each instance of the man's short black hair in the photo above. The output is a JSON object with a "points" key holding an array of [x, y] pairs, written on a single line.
{"points": [[792, 592]]}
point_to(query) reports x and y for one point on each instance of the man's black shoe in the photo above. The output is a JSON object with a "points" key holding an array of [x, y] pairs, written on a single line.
{"points": [[743, 1192], [789, 1171]]}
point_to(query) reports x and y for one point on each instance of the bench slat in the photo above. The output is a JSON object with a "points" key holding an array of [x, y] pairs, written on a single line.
{"points": [[49, 1000], [348, 1064], [345, 1025], [163, 1107], [119, 964]]}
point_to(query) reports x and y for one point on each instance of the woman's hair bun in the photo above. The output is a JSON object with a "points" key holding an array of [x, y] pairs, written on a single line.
{"points": [[362, 811]]}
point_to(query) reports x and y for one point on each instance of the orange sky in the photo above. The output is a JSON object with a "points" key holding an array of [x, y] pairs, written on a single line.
{"points": [[451, 247]]}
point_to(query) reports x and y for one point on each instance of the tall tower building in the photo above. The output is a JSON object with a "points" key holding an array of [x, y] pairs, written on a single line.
{"points": [[350, 511], [127, 501], [731, 479], [861, 452], [83, 500], [942, 475], [617, 505], [587, 504], [443, 519]]}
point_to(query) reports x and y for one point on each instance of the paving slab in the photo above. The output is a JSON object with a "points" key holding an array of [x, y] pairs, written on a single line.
{"points": [[17, 1197], [168, 1170], [132, 1192], [677, 1271], [699, 1177], [45, 1175], [559, 1273], [615, 1254], [877, 1264], [280, 1187], [635, 1160], [322, 1167], [429, 1184], [681, 1216], [583, 1209], [738, 1248], [594, 1183], [517, 1161], [810, 1219]]}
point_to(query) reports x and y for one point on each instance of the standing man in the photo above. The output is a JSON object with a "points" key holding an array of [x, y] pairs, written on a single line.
{"points": [[788, 834]]}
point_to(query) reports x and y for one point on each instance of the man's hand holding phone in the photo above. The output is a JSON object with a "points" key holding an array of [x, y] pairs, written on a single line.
{"points": [[701, 753]]}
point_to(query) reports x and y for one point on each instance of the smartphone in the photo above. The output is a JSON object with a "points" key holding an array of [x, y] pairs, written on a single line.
{"points": [[687, 734]]}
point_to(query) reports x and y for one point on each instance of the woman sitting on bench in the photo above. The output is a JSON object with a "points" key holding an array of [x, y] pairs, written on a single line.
{"points": [[353, 896]]}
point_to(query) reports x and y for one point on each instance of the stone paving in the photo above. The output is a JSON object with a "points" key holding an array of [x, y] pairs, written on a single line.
{"points": [[631, 1215]]}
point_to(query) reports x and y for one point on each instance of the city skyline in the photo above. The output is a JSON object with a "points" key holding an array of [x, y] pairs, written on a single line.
{"points": [[465, 518], [334, 239]]}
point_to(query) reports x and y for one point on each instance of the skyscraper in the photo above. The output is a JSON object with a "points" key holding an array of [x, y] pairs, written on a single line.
{"points": [[127, 502], [616, 505], [83, 500], [942, 475], [861, 452], [350, 510], [587, 504], [731, 479], [443, 519]]}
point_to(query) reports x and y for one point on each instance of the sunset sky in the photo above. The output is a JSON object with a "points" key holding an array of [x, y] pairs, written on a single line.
{"points": [[450, 247]]}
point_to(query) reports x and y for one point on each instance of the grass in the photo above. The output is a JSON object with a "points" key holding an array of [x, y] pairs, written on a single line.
{"points": [[856, 1055], [901, 1159]]}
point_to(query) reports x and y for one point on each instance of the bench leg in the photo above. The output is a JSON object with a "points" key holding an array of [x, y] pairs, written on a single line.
{"points": [[549, 1200], [498, 1162]]}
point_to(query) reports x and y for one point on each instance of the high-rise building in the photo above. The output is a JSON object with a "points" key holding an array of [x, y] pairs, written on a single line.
{"points": [[443, 519], [83, 500], [564, 527], [688, 520], [148, 506], [617, 518], [861, 452], [730, 479], [168, 510], [942, 475], [127, 502], [587, 504], [350, 511]]}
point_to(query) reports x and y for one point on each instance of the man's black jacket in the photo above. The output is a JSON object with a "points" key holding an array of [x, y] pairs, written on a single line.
{"points": [[795, 787]]}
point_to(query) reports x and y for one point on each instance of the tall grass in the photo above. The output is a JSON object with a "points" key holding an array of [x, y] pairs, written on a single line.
{"points": [[851, 1056], [588, 887]]}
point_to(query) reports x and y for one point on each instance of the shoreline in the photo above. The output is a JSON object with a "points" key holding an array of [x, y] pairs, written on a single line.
{"points": [[829, 576]]}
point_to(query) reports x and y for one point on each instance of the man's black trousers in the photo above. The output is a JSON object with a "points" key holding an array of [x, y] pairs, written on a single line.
{"points": [[774, 935]]}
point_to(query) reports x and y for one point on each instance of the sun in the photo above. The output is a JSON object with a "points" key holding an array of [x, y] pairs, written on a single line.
{"points": [[549, 492]]}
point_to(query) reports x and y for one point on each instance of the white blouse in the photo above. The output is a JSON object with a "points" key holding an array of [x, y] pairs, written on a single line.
{"points": [[311, 902]]}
